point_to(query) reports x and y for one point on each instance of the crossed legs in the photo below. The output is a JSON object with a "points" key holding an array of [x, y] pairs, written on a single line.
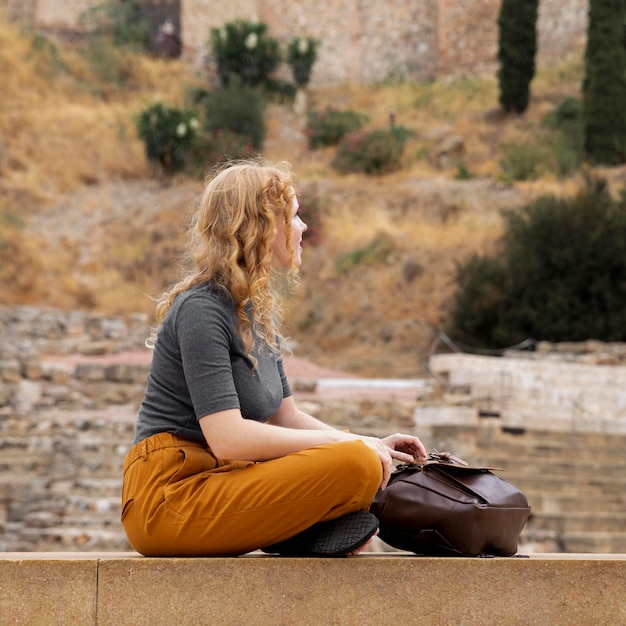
{"points": [[179, 500]]}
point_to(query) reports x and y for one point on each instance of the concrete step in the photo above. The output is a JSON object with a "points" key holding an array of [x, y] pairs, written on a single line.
{"points": [[594, 542], [65, 539], [563, 484], [519, 441], [553, 503], [81, 505], [104, 466], [100, 588], [574, 470], [578, 522], [527, 442]]}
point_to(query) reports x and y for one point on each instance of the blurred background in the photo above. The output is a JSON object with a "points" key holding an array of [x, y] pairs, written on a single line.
{"points": [[461, 169]]}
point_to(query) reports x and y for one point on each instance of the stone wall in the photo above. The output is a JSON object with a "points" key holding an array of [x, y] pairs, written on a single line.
{"points": [[562, 27], [361, 40], [67, 403], [22, 12], [581, 387]]}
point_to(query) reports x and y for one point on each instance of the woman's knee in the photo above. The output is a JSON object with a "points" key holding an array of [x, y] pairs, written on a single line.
{"points": [[361, 464]]}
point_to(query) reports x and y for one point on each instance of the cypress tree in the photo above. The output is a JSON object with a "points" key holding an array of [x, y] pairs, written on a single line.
{"points": [[604, 88], [517, 46]]}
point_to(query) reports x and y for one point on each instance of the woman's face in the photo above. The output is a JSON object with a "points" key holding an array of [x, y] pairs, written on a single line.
{"points": [[281, 256]]}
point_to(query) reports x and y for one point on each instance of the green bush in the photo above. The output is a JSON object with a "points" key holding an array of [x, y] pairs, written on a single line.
{"points": [[377, 252], [243, 49], [525, 161], [301, 56], [569, 112], [567, 121], [560, 275], [238, 109], [373, 152], [168, 134], [479, 316], [555, 147], [280, 91], [218, 146], [327, 127], [47, 56]]}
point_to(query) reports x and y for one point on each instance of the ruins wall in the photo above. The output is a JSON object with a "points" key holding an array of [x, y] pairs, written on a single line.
{"points": [[361, 40]]}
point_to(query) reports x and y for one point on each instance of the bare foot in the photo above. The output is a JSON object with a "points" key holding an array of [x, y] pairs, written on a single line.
{"points": [[361, 548]]}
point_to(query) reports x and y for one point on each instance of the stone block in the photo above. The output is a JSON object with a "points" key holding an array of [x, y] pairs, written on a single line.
{"points": [[48, 591], [10, 372], [372, 589], [445, 414]]}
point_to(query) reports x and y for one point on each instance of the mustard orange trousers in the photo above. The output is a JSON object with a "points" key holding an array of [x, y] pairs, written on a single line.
{"points": [[179, 500]]}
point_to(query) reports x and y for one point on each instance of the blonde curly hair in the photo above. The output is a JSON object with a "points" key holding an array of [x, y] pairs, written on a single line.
{"points": [[230, 246]]}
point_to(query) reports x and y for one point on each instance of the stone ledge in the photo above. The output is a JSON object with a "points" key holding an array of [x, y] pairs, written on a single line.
{"points": [[374, 588]]}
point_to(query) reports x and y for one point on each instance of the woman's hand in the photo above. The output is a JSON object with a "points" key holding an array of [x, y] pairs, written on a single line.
{"points": [[405, 448], [384, 454], [400, 447]]}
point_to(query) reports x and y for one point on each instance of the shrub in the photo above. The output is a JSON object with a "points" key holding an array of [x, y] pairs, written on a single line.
{"points": [[48, 59], [280, 91], [376, 252], [524, 161], [327, 127], [168, 134], [301, 56], [604, 87], [238, 109], [561, 275], [374, 152], [117, 67], [517, 46], [480, 306], [463, 172], [218, 146], [567, 121], [244, 49]]}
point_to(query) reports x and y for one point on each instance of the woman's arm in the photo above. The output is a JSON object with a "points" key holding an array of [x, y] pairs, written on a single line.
{"points": [[291, 430], [230, 436], [289, 416]]}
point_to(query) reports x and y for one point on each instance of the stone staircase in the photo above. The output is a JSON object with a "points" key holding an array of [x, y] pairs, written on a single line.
{"points": [[60, 482]]}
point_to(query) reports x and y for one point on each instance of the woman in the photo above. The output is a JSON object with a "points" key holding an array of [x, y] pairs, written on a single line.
{"points": [[223, 461]]}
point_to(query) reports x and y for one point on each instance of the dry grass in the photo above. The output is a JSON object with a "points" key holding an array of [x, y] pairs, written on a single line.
{"points": [[83, 225], [62, 126]]}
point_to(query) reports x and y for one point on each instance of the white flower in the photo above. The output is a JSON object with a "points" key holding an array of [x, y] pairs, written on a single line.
{"points": [[251, 41], [303, 46], [181, 130], [193, 122]]}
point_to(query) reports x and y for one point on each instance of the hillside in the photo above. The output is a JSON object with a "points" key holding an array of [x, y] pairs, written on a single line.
{"points": [[85, 223]]}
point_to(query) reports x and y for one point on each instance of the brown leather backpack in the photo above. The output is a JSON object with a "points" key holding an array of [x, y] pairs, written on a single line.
{"points": [[446, 507]]}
